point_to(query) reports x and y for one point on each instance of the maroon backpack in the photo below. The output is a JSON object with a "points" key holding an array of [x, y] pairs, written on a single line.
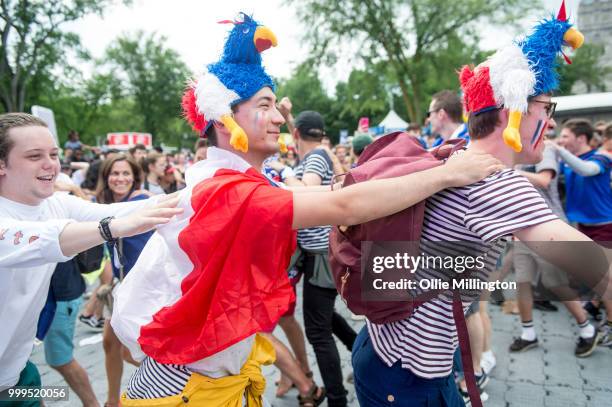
{"points": [[393, 155]]}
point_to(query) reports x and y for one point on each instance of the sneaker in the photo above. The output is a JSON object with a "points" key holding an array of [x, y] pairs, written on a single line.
{"points": [[92, 322], [482, 380], [466, 397], [521, 345], [487, 363], [545, 306], [585, 347], [605, 336]]}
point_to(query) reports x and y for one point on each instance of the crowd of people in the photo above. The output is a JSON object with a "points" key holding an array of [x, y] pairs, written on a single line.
{"points": [[243, 219]]}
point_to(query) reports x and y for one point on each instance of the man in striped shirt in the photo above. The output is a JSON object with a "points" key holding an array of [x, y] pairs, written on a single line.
{"points": [[321, 321], [409, 362]]}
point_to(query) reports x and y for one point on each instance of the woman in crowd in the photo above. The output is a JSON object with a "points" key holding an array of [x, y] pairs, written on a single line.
{"points": [[154, 167], [119, 180]]}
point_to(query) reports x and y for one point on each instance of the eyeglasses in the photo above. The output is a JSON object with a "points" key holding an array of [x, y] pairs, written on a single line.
{"points": [[550, 107], [428, 113]]}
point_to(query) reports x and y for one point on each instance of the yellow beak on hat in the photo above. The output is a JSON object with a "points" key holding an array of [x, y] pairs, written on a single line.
{"points": [[573, 38], [264, 38]]}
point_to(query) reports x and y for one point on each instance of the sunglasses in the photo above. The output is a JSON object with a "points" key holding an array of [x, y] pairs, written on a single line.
{"points": [[428, 113], [550, 107]]}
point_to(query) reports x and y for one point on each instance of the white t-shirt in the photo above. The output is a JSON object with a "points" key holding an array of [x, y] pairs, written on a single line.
{"points": [[29, 252]]}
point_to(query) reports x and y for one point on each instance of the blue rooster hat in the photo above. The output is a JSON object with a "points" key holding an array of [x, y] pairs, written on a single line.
{"points": [[235, 78], [514, 73]]}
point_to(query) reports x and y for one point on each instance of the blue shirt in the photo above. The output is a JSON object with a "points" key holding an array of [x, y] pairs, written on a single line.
{"points": [[73, 145], [589, 199], [132, 246], [463, 133], [437, 141]]}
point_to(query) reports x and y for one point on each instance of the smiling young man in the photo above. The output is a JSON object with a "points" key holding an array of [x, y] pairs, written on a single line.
{"points": [[410, 361], [29, 250], [207, 283]]}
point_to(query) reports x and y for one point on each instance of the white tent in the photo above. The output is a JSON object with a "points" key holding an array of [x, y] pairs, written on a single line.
{"points": [[392, 122]]}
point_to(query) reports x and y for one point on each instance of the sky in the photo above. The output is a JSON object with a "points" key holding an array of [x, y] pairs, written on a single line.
{"points": [[190, 28]]}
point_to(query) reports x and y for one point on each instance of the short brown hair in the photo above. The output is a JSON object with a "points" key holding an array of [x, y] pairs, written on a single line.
{"points": [[580, 127], [138, 146], [201, 143], [150, 159], [10, 121], [450, 102], [103, 193], [483, 124], [414, 127]]}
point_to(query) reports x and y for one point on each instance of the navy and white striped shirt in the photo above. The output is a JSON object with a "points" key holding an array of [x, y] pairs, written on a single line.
{"points": [[316, 162], [481, 216], [156, 380]]}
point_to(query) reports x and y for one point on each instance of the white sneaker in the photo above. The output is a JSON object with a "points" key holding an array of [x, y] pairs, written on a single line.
{"points": [[488, 362]]}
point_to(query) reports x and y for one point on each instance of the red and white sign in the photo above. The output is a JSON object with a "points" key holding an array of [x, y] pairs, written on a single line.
{"points": [[127, 140]]}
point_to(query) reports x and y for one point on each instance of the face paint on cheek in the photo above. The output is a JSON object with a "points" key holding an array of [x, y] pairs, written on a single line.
{"points": [[261, 119], [541, 137], [537, 134], [255, 120]]}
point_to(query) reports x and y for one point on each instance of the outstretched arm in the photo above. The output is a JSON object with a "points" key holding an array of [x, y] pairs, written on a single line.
{"points": [[370, 200], [30, 244], [571, 251], [580, 167]]}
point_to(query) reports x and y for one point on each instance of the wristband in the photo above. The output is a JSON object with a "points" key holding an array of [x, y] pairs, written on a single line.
{"points": [[105, 232], [104, 228]]}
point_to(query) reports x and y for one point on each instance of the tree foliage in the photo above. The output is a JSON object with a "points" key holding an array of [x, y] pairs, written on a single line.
{"points": [[32, 42], [402, 34], [586, 69], [154, 76]]}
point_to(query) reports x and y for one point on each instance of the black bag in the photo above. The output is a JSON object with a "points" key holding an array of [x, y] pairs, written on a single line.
{"points": [[90, 260]]}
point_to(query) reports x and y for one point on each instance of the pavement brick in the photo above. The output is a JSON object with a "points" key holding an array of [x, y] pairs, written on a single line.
{"points": [[546, 376]]}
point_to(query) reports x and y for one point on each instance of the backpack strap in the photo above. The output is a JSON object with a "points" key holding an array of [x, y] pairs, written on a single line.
{"points": [[466, 352]]}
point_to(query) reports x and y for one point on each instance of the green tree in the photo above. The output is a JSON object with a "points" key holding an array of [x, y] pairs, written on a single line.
{"points": [[154, 77], [90, 107], [305, 89], [32, 42], [402, 34], [364, 94], [586, 68]]}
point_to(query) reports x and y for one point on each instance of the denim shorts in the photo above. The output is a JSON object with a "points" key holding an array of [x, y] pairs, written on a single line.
{"points": [[59, 344]]}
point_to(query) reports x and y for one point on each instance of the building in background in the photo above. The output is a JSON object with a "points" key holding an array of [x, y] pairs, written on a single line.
{"points": [[595, 22]]}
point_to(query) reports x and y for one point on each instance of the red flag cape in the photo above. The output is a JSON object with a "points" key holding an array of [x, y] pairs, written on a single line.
{"points": [[240, 241]]}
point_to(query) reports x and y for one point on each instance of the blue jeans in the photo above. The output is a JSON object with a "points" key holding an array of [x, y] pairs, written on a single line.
{"points": [[377, 384]]}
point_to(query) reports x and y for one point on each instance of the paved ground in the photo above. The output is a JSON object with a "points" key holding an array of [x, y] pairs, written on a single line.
{"points": [[547, 376]]}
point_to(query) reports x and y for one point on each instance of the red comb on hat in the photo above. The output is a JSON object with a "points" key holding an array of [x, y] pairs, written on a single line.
{"points": [[190, 110], [477, 91], [562, 16]]}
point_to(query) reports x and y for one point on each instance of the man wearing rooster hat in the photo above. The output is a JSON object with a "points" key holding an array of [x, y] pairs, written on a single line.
{"points": [[204, 286], [409, 361]]}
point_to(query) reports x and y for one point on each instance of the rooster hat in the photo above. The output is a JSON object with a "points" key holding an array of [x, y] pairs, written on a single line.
{"points": [[235, 78], [524, 69]]}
